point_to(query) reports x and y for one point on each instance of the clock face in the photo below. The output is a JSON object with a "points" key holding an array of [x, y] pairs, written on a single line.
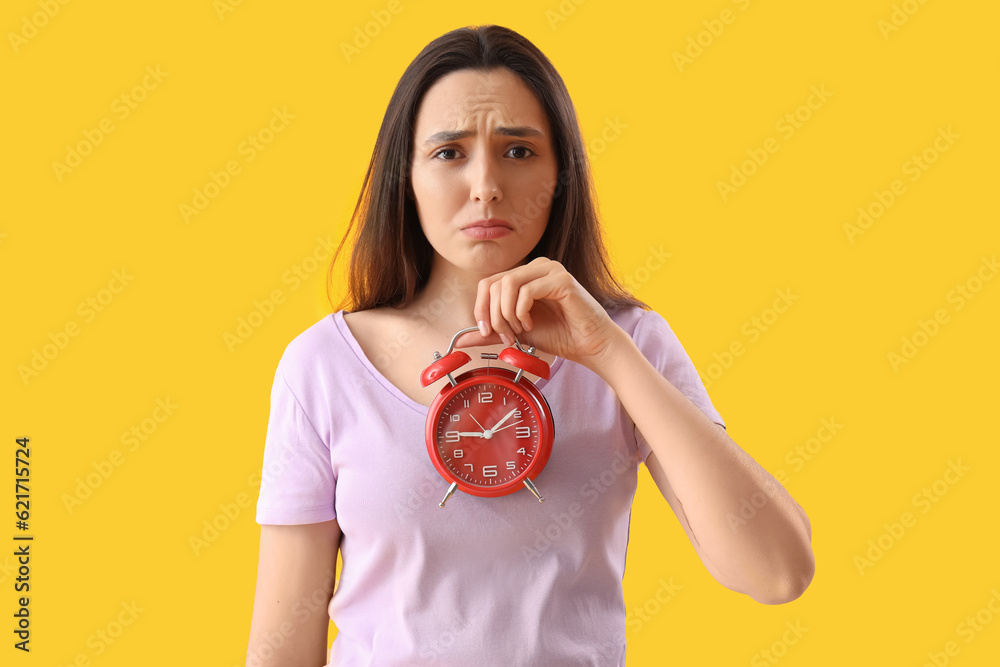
{"points": [[488, 434]]}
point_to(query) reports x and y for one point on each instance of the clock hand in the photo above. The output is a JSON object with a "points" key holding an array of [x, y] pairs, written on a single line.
{"points": [[478, 424], [505, 418], [471, 434], [495, 429]]}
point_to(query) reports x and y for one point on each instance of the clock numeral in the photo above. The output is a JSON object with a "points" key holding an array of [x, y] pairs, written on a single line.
{"points": [[522, 432], [511, 466], [517, 415], [466, 402], [459, 453], [486, 397], [472, 467], [451, 436], [521, 451], [489, 471], [456, 417]]}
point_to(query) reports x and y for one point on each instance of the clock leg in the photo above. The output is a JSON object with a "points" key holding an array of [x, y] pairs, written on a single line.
{"points": [[451, 490], [531, 487]]}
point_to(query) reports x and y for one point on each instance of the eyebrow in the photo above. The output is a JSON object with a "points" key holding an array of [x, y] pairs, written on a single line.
{"points": [[455, 135]]}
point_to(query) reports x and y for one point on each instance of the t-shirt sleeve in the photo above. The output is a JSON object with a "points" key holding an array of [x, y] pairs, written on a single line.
{"points": [[297, 481], [658, 343]]}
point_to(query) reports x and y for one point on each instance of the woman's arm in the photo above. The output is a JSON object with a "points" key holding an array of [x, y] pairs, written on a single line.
{"points": [[296, 573], [765, 552]]}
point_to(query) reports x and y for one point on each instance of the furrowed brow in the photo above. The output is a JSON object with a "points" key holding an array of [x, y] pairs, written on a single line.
{"points": [[445, 136]]}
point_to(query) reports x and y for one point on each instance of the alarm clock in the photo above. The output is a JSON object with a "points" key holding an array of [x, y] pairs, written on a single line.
{"points": [[490, 431]]}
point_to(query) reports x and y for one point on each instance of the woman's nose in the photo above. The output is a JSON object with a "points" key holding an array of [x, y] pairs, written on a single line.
{"points": [[484, 177]]}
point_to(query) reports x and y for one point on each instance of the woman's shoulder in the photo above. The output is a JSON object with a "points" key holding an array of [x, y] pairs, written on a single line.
{"points": [[303, 350], [370, 318]]}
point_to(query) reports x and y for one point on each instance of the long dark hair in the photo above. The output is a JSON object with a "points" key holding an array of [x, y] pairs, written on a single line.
{"points": [[391, 260]]}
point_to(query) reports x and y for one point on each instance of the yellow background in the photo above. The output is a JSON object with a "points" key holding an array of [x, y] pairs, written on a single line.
{"points": [[826, 357]]}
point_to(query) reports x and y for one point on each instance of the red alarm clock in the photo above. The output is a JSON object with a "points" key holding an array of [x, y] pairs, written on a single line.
{"points": [[489, 431]]}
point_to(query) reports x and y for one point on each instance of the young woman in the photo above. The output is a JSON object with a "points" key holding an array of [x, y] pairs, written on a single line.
{"points": [[477, 209]]}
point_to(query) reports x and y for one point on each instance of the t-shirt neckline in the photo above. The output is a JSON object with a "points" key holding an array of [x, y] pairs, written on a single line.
{"points": [[348, 336]]}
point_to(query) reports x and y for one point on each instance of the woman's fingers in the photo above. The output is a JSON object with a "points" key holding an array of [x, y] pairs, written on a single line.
{"points": [[503, 299]]}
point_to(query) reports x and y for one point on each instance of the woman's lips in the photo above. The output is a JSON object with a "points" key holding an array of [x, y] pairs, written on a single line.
{"points": [[494, 232]]}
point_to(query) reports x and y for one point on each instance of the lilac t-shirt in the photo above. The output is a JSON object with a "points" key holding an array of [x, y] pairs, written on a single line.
{"points": [[483, 581]]}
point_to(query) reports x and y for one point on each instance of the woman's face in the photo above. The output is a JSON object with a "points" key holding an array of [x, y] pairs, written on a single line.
{"points": [[482, 151]]}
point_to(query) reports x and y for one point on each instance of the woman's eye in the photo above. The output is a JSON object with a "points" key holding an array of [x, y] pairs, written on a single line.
{"points": [[522, 148], [523, 156]]}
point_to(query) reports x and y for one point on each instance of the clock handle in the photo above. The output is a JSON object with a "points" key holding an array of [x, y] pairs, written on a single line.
{"points": [[451, 345], [516, 356]]}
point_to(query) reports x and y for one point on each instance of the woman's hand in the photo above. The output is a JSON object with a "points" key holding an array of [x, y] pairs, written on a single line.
{"points": [[543, 305]]}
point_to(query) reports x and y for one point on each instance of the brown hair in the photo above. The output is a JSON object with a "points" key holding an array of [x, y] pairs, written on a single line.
{"points": [[392, 258]]}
